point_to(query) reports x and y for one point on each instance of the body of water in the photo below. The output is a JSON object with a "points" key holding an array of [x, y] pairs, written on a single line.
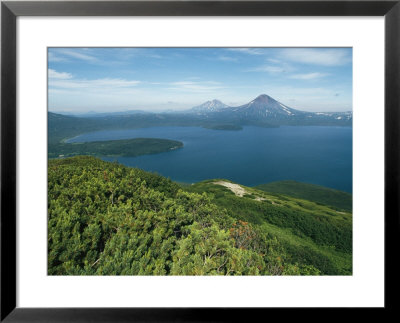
{"points": [[252, 156]]}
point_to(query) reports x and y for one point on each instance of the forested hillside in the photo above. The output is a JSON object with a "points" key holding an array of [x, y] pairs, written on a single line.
{"points": [[316, 193], [108, 219], [310, 232]]}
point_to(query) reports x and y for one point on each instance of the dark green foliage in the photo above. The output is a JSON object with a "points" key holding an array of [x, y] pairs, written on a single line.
{"points": [[108, 219], [329, 231], [321, 229], [319, 194], [125, 148], [304, 254]]}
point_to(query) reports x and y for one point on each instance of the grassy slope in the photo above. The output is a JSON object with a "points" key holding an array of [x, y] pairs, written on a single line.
{"points": [[319, 194], [126, 147], [311, 232]]}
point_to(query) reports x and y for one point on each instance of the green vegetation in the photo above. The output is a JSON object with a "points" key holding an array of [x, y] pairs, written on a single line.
{"points": [[224, 127], [125, 148], [319, 194], [311, 233], [108, 219]]}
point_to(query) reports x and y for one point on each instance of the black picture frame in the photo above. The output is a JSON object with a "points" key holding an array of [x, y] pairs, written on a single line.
{"points": [[10, 10]]}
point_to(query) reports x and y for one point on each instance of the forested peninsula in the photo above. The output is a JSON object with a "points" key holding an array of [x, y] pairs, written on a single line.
{"points": [[121, 148]]}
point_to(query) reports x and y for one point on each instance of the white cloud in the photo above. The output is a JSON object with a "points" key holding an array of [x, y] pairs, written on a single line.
{"points": [[250, 51], [155, 56], [59, 75], [207, 86], [317, 56], [227, 59], [98, 84], [77, 54], [273, 60], [63, 81], [54, 58], [269, 69], [308, 76]]}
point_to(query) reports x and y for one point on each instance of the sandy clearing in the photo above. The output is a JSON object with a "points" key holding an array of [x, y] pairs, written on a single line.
{"points": [[258, 198], [235, 188], [240, 191]]}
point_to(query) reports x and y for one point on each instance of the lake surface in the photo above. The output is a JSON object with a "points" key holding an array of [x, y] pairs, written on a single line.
{"points": [[252, 156]]}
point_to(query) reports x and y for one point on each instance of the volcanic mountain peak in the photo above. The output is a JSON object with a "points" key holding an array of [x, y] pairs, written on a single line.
{"points": [[216, 102], [214, 105], [265, 106], [263, 98]]}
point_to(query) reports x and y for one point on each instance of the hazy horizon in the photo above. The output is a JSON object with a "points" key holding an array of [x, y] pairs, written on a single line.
{"points": [[81, 112], [107, 80]]}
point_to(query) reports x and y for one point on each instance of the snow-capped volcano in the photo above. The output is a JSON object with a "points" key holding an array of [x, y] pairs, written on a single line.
{"points": [[265, 110], [210, 106], [265, 106]]}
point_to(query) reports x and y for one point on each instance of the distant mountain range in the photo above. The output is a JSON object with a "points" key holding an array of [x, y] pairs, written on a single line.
{"points": [[263, 111], [266, 110], [262, 106]]}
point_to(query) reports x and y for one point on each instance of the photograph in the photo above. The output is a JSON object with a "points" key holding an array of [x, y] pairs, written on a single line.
{"points": [[198, 161], [154, 151]]}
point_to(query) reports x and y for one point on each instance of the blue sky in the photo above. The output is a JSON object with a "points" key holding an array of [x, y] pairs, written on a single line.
{"points": [[158, 79]]}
